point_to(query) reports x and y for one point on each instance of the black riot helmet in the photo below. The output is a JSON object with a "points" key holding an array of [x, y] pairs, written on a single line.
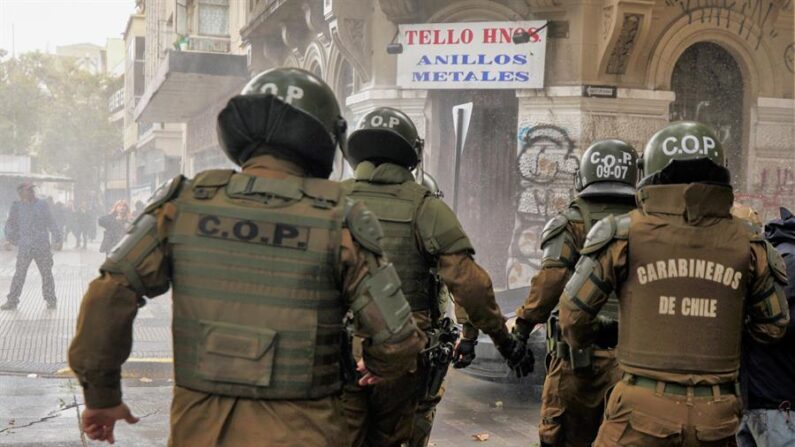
{"points": [[607, 168], [385, 134], [284, 111]]}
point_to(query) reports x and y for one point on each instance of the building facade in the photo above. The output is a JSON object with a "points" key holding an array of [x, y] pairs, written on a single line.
{"points": [[195, 61], [727, 64]]}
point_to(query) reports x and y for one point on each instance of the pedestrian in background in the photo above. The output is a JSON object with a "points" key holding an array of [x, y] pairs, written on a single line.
{"points": [[768, 371], [82, 222], [29, 227], [114, 225]]}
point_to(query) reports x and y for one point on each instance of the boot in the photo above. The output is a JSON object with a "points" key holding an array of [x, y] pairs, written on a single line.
{"points": [[9, 305]]}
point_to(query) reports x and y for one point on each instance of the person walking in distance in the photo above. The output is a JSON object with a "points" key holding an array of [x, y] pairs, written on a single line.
{"points": [[29, 227]]}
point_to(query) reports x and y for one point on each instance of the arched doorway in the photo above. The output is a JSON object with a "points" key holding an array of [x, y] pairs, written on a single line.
{"points": [[709, 88]]}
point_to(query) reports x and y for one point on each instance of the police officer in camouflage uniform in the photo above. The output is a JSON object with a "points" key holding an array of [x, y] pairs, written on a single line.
{"points": [[421, 236], [690, 279], [263, 264], [572, 401]]}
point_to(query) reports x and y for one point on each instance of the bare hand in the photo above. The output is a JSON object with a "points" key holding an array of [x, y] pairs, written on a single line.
{"points": [[367, 378], [98, 423]]}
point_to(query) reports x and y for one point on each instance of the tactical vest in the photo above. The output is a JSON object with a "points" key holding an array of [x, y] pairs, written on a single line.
{"points": [[683, 301], [396, 206], [590, 212], [257, 305]]}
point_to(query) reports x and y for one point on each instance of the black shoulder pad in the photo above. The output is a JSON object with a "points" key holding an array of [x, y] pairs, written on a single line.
{"points": [[600, 235], [164, 193], [554, 227], [364, 226]]}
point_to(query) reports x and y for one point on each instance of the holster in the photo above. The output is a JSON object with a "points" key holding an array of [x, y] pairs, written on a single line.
{"points": [[578, 359], [439, 355]]}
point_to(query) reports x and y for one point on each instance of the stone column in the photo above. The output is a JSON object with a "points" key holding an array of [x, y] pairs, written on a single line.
{"points": [[555, 126]]}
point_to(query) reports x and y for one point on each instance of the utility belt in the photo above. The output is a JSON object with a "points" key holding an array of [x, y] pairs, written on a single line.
{"points": [[579, 358], [677, 389], [438, 354]]}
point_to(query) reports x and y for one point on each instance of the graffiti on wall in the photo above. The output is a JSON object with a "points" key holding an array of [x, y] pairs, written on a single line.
{"points": [[756, 17], [775, 187], [546, 161]]}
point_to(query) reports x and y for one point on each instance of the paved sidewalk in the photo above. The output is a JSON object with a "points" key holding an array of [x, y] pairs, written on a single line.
{"points": [[44, 412], [34, 339]]}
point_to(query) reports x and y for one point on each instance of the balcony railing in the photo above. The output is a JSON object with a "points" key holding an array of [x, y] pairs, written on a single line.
{"points": [[208, 44]]}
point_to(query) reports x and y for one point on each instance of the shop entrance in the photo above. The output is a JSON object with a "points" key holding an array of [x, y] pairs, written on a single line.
{"points": [[487, 182], [709, 88]]}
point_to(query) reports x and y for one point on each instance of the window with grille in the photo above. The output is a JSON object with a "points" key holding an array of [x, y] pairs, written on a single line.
{"points": [[213, 17]]}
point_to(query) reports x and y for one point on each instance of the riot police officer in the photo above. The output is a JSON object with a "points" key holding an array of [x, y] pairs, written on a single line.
{"points": [[572, 400], [422, 236], [263, 264], [690, 280]]}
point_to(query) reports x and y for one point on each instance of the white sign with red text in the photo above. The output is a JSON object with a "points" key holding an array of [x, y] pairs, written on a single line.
{"points": [[479, 55]]}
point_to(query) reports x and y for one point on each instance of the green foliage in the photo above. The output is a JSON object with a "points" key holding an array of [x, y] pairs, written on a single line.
{"points": [[58, 113]]}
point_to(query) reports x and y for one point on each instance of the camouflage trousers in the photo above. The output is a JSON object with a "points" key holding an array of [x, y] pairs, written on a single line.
{"points": [[572, 402], [641, 417]]}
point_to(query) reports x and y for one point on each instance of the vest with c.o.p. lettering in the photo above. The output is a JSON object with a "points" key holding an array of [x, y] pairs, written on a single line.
{"points": [[257, 305]]}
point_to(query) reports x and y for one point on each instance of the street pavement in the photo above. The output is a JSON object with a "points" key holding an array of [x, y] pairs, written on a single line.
{"points": [[40, 400]]}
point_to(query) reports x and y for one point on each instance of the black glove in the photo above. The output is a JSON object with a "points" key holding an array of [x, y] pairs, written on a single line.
{"points": [[522, 328], [517, 354], [464, 353], [607, 333]]}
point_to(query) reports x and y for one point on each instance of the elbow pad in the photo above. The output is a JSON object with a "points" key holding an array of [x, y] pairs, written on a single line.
{"points": [[584, 287]]}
